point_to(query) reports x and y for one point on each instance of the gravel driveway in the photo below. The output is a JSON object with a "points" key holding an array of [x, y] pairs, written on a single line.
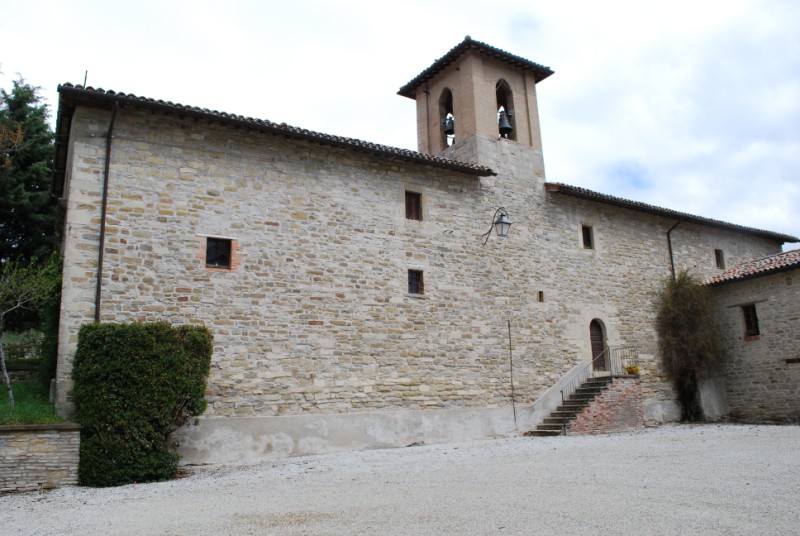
{"points": [[677, 479]]}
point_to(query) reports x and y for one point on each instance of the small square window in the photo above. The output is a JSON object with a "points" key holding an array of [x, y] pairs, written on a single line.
{"points": [[413, 206], [588, 236], [719, 258], [218, 252], [416, 283], [751, 328]]}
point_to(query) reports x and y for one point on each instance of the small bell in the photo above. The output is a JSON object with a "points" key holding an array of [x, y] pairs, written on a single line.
{"points": [[505, 126], [449, 126]]}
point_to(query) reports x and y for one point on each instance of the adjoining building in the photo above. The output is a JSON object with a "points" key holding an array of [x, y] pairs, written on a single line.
{"points": [[355, 296], [757, 305]]}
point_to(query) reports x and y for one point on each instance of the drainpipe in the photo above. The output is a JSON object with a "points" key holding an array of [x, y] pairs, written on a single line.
{"points": [[669, 245], [104, 206], [511, 369]]}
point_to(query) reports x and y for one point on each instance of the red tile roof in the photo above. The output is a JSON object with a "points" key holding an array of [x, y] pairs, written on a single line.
{"points": [[788, 260], [70, 96], [575, 191], [540, 72]]}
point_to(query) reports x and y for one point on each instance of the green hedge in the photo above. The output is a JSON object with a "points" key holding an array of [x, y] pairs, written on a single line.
{"points": [[135, 384]]}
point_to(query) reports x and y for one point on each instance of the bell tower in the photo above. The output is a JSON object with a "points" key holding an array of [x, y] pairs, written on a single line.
{"points": [[473, 97]]}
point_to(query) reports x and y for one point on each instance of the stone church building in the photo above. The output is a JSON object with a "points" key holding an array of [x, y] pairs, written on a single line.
{"points": [[358, 294]]}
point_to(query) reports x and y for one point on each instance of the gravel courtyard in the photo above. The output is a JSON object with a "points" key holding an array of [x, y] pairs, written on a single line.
{"points": [[677, 479]]}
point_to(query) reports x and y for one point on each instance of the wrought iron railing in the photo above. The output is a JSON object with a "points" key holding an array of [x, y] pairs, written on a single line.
{"points": [[616, 361], [576, 381]]}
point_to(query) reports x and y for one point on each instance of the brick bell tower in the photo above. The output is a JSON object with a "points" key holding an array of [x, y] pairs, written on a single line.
{"points": [[475, 99]]}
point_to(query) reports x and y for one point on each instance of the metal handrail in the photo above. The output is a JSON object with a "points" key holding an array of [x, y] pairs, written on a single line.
{"points": [[616, 361], [582, 375]]}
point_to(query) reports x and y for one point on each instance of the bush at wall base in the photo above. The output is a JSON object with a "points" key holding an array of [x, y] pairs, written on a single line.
{"points": [[135, 384]]}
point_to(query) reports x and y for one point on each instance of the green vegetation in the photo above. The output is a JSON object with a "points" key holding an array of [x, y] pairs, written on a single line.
{"points": [[32, 406], [688, 339], [27, 211], [24, 286], [135, 384], [30, 271]]}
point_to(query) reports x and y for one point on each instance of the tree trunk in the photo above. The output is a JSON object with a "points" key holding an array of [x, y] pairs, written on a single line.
{"points": [[6, 379]]}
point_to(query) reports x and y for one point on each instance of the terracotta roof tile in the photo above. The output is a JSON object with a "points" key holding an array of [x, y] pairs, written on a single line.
{"points": [[540, 72], [576, 191], [788, 260], [71, 95]]}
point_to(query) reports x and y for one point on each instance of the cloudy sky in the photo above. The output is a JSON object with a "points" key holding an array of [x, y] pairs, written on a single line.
{"points": [[689, 105]]}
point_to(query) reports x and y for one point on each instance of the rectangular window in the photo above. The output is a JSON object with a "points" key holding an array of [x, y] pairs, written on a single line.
{"points": [[413, 206], [751, 328], [218, 252], [719, 258], [416, 284], [588, 237], [541, 296]]}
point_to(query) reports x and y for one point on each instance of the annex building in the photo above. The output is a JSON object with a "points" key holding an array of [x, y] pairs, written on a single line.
{"points": [[355, 298]]}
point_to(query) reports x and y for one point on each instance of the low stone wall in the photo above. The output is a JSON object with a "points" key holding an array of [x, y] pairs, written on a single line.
{"points": [[38, 456], [617, 409], [23, 372]]}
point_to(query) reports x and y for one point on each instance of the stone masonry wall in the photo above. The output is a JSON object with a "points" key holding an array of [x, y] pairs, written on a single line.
{"points": [[617, 409], [38, 457], [762, 375], [316, 316]]}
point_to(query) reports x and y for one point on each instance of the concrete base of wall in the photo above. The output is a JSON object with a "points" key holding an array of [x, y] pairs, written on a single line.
{"points": [[245, 440], [713, 399], [248, 440], [662, 411]]}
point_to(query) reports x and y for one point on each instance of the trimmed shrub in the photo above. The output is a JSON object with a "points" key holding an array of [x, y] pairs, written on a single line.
{"points": [[135, 384]]}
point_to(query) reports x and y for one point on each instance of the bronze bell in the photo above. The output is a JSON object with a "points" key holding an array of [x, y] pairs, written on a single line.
{"points": [[449, 126], [505, 126]]}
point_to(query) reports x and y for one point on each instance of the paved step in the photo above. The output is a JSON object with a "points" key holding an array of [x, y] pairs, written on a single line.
{"points": [[577, 402], [541, 433], [550, 427]]}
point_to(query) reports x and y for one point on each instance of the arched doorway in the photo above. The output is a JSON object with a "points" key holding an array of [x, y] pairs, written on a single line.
{"points": [[598, 341]]}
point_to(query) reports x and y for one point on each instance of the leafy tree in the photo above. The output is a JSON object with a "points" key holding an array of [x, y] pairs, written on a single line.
{"points": [[24, 286], [27, 212], [688, 338]]}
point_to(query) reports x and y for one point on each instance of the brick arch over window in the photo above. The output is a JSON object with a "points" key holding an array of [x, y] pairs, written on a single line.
{"points": [[505, 106], [446, 118]]}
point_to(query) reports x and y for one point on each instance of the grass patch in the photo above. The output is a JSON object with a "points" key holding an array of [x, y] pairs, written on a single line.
{"points": [[31, 405]]}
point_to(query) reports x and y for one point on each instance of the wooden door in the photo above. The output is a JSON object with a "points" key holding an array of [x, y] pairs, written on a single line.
{"points": [[598, 345]]}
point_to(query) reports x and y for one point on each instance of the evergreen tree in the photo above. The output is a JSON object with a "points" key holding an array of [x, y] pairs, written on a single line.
{"points": [[27, 212]]}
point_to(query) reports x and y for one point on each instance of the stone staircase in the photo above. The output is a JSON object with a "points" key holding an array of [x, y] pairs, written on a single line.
{"points": [[557, 421]]}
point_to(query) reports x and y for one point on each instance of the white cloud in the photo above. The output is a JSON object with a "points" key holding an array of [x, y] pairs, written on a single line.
{"points": [[690, 105]]}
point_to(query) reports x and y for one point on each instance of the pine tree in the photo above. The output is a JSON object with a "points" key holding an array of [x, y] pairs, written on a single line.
{"points": [[27, 212]]}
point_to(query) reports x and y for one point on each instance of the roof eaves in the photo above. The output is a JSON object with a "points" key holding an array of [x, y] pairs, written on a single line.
{"points": [[540, 72], [770, 265], [71, 95], [575, 191]]}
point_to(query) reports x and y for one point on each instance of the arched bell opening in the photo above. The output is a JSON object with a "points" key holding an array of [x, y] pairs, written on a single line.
{"points": [[447, 119], [506, 124]]}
